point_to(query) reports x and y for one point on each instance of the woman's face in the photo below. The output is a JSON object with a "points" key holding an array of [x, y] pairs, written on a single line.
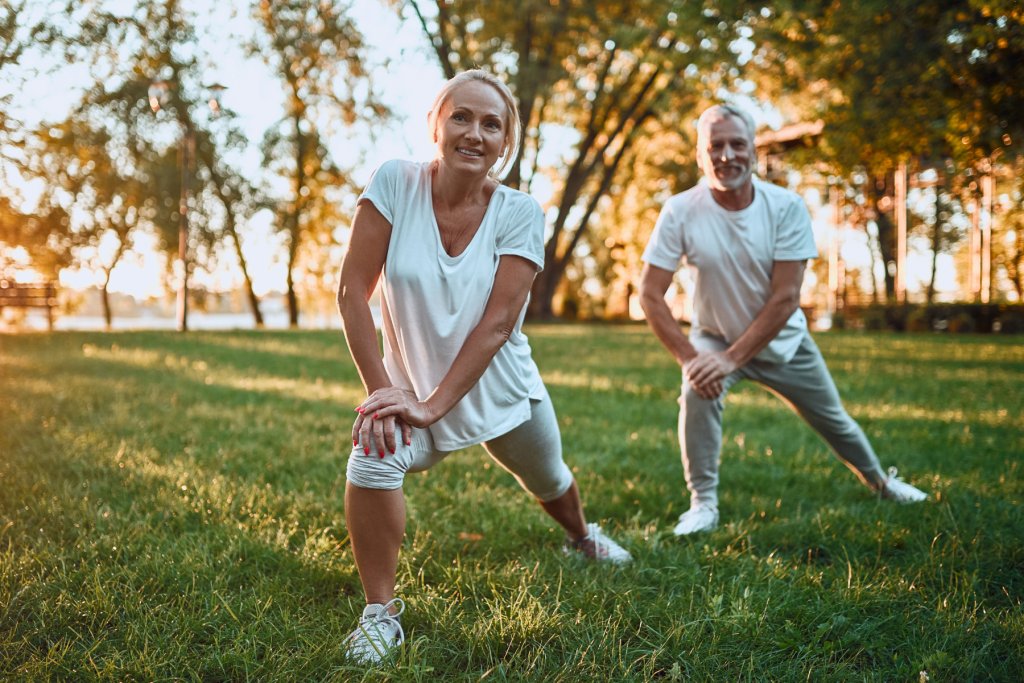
{"points": [[471, 130]]}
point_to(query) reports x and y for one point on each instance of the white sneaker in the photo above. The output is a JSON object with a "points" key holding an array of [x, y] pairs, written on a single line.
{"points": [[378, 635], [697, 518], [900, 491], [596, 546]]}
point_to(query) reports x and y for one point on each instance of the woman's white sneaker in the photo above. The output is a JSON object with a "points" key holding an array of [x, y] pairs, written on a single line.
{"points": [[697, 518], [596, 546], [900, 491], [378, 635]]}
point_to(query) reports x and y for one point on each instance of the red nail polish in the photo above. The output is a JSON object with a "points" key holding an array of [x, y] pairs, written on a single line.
{"points": [[392, 451], [367, 450], [374, 417], [381, 456], [359, 410], [354, 443], [408, 443]]}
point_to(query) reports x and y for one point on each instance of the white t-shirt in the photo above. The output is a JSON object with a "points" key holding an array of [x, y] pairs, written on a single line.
{"points": [[731, 254], [431, 301]]}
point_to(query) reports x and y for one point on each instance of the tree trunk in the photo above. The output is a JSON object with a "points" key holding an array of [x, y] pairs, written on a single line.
{"points": [[936, 237], [293, 244], [107, 315], [230, 222], [886, 232]]}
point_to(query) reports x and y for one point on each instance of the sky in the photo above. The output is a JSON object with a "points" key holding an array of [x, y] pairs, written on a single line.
{"points": [[407, 85]]}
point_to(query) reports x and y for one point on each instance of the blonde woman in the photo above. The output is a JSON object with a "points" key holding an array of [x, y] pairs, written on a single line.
{"points": [[458, 252]]}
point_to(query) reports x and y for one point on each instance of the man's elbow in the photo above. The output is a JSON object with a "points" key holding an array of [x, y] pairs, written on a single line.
{"points": [[649, 298], [790, 302]]}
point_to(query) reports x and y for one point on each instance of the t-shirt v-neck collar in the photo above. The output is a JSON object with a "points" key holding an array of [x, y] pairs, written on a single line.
{"points": [[442, 252]]}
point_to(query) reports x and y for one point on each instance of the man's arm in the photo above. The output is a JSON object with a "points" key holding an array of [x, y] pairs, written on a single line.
{"points": [[787, 277], [654, 283]]}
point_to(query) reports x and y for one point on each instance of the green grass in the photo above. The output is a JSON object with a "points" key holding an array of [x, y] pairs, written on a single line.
{"points": [[171, 509]]}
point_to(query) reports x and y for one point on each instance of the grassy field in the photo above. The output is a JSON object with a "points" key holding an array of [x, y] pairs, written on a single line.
{"points": [[171, 509]]}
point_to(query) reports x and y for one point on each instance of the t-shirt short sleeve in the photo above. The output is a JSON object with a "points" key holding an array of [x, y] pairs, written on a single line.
{"points": [[666, 249], [382, 189], [795, 237], [523, 231]]}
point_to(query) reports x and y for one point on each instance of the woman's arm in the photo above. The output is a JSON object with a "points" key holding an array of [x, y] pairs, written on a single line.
{"points": [[512, 285], [360, 271]]}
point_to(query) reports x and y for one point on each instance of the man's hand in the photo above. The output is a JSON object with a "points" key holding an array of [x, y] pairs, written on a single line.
{"points": [[707, 370]]}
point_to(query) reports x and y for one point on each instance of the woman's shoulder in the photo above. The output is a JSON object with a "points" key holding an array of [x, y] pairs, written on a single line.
{"points": [[518, 203], [401, 168]]}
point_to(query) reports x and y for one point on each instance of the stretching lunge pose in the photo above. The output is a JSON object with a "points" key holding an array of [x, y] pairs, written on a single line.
{"points": [[459, 253], [748, 242]]}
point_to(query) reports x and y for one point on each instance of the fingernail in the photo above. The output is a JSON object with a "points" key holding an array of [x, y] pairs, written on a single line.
{"points": [[367, 450], [354, 443], [408, 443], [375, 417], [382, 455], [359, 410], [392, 451]]}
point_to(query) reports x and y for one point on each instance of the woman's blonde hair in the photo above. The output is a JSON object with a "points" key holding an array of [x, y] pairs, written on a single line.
{"points": [[513, 127]]}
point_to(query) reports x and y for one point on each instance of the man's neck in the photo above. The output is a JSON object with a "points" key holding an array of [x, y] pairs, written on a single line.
{"points": [[735, 200]]}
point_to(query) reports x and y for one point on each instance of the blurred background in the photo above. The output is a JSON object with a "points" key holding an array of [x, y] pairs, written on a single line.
{"points": [[194, 165]]}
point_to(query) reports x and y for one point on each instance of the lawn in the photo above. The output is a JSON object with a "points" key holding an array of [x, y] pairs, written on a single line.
{"points": [[171, 508]]}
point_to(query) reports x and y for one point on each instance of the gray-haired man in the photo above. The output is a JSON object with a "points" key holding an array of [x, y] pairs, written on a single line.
{"points": [[746, 242]]}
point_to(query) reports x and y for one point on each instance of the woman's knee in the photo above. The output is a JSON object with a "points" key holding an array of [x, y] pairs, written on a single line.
{"points": [[387, 473]]}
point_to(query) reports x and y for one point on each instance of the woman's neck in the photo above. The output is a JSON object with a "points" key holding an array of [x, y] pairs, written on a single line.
{"points": [[454, 189]]}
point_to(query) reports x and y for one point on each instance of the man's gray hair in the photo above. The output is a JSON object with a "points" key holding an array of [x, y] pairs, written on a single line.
{"points": [[720, 110]]}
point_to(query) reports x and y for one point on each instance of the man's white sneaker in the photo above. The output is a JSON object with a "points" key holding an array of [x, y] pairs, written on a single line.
{"points": [[378, 635], [596, 546], [900, 491], [697, 518]]}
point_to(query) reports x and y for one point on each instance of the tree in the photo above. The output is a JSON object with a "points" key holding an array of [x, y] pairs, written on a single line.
{"points": [[316, 50], [604, 74], [135, 156], [900, 81]]}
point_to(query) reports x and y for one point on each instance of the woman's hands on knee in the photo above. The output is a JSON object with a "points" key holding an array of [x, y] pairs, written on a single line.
{"points": [[392, 401], [383, 411], [385, 431]]}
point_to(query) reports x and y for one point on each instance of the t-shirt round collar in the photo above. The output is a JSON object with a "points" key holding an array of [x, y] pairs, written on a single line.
{"points": [[739, 213]]}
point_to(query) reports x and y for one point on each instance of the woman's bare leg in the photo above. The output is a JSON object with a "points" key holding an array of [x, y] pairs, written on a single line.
{"points": [[376, 525], [567, 510]]}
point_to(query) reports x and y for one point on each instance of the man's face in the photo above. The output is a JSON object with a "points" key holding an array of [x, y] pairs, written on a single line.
{"points": [[725, 153]]}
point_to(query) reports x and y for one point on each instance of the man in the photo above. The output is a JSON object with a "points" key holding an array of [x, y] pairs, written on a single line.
{"points": [[747, 243]]}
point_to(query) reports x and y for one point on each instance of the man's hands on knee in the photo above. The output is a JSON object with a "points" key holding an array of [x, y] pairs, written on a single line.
{"points": [[707, 371]]}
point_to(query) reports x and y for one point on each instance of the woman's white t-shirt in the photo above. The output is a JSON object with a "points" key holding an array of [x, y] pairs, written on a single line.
{"points": [[430, 302]]}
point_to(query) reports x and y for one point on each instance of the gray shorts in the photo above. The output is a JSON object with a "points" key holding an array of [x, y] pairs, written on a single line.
{"points": [[531, 452]]}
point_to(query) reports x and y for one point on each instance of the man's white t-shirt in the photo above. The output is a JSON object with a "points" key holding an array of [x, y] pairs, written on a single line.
{"points": [[431, 301], [731, 254]]}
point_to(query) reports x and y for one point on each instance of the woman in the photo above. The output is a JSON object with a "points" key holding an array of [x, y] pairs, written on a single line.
{"points": [[459, 253]]}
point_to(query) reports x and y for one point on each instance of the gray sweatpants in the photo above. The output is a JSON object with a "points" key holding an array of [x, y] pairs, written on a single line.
{"points": [[804, 384], [531, 452]]}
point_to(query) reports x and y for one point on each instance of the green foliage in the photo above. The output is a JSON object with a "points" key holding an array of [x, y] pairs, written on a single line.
{"points": [[893, 80], [616, 79], [171, 509], [316, 50]]}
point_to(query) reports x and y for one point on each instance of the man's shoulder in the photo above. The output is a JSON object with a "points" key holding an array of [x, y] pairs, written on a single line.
{"points": [[775, 194], [679, 205]]}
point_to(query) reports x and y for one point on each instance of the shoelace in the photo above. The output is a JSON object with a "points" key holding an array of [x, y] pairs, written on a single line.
{"points": [[383, 618]]}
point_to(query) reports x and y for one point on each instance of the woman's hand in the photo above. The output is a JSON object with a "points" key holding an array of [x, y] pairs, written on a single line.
{"points": [[382, 411], [384, 433], [400, 403]]}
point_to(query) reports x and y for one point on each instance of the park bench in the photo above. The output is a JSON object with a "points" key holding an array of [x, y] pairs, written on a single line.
{"points": [[27, 295]]}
